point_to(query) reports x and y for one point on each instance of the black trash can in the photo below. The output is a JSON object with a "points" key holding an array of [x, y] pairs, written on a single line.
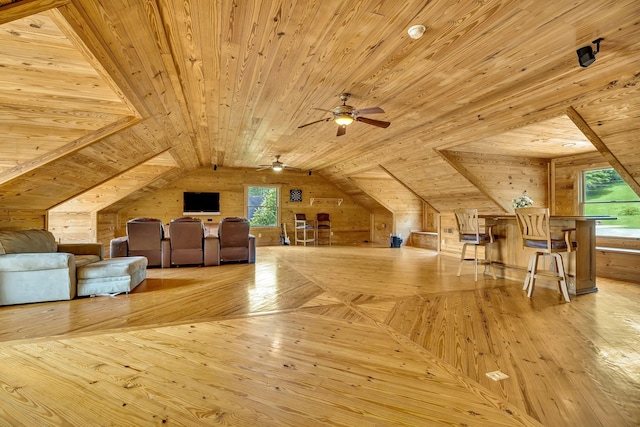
{"points": [[396, 241]]}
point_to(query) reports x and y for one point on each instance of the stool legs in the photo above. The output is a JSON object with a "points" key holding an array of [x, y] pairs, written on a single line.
{"points": [[562, 276], [559, 273], [487, 260]]}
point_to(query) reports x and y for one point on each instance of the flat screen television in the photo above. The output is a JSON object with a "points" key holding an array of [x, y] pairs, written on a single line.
{"points": [[201, 203]]}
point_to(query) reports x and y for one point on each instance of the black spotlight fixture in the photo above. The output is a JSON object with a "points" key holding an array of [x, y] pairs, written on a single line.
{"points": [[215, 167], [586, 55]]}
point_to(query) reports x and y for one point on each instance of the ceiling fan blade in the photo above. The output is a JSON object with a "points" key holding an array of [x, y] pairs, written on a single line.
{"points": [[317, 121], [291, 168], [341, 130], [322, 109], [372, 110], [373, 122], [263, 167]]}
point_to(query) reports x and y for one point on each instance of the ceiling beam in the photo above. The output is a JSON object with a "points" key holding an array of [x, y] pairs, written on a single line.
{"points": [[408, 188], [603, 149], [449, 158], [22, 9], [70, 148]]}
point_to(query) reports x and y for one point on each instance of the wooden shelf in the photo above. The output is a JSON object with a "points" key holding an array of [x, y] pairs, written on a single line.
{"points": [[325, 199]]}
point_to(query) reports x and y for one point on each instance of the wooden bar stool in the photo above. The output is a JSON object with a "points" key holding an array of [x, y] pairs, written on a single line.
{"points": [[469, 234], [308, 230], [537, 234], [323, 228]]}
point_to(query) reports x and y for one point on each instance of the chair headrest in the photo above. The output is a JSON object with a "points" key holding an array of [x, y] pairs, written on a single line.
{"points": [[234, 219], [144, 219], [186, 219]]}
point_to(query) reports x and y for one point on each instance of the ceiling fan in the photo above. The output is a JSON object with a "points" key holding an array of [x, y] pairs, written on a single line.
{"points": [[345, 114], [277, 166]]}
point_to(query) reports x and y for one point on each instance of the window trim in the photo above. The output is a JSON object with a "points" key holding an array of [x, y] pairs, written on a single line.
{"points": [[278, 203]]}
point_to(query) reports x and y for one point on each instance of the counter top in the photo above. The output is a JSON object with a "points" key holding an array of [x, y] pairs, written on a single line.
{"points": [[561, 217]]}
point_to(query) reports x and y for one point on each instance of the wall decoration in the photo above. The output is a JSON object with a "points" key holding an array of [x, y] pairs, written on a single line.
{"points": [[295, 195]]}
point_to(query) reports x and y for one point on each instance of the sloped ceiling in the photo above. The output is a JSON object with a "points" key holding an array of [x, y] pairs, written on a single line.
{"points": [[91, 89]]}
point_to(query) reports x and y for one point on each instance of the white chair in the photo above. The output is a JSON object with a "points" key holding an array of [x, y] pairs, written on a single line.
{"points": [[469, 234], [537, 234], [307, 229]]}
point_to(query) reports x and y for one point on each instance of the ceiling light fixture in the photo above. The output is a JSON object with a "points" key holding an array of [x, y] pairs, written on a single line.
{"points": [[277, 168], [343, 119], [417, 31], [586, 55]]}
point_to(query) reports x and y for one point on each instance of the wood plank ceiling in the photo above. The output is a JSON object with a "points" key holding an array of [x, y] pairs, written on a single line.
{"points": [[90, 90]]}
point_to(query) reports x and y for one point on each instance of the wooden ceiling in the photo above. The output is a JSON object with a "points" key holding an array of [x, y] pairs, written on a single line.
{"points": [[91, 90]]}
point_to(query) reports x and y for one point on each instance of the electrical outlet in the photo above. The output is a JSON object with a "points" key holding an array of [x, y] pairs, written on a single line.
{"points": [[259, 235], [332, 233]]}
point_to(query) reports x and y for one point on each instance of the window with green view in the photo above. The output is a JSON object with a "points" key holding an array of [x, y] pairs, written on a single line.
{"points": [[262, 206], [604, 192]]}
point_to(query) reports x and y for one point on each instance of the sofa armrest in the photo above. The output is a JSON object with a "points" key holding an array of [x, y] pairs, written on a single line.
{"points": [[211, 250], [36, 261], [82, 249], [119, 247], [252, 249], [166, 253]]}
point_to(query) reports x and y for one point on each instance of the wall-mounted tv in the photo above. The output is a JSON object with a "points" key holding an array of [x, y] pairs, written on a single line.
{"points": [[201, 203]]}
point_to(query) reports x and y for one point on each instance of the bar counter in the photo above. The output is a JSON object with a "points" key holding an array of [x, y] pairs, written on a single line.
{"points": [[580, 264]]}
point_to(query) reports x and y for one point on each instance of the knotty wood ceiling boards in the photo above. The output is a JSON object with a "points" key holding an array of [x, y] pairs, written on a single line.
{"points": [[229, 83]]}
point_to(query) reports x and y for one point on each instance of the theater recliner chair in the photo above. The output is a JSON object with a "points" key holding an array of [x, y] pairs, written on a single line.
{"points": [[189, 245], [236, 244], [145, 237]]}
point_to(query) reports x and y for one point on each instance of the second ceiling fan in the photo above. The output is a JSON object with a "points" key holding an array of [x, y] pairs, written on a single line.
{"points": [[345, 114], [277, 166]]}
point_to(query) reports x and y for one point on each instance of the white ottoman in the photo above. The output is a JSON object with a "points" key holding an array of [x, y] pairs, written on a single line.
{"points": [[111, 276]]}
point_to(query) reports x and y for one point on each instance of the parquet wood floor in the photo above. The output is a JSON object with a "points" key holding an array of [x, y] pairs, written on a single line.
{"points": [[346, 336]]}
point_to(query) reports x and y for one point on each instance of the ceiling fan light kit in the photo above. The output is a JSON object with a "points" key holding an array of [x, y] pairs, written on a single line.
{"points": [[343, 119]]}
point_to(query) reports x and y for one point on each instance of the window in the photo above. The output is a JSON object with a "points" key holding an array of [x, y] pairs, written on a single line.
{"points": [[604, 192], [262, 206]]}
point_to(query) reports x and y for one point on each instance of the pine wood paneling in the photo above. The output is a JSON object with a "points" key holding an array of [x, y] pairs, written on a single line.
{"points": [[567, 181], [230, 83], [350, 222], [11, 219]]}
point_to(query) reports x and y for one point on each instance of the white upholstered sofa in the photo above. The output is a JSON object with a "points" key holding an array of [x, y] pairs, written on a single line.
{"points": [[34, 268]]}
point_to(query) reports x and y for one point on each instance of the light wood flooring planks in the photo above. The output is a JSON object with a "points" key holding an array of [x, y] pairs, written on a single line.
{"points": [[324, 336]]}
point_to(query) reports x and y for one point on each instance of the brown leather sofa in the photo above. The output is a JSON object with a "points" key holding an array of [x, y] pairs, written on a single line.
{"points": [[236, 244], [189, 245], [145, 237]]}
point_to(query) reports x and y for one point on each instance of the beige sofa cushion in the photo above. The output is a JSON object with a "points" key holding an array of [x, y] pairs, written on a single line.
{"points": [[27, 241]]}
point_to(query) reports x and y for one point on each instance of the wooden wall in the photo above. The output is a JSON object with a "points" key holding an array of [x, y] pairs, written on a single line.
{"points": [[73, 227], [13, 219], [350, 221], [405, 206], [382, 226], [616, 257], [502, 178], [566, 178]]}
